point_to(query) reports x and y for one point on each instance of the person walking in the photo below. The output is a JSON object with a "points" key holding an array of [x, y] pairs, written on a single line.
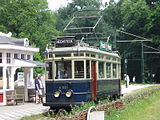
{"points": [[41, 90], [37, 88]]}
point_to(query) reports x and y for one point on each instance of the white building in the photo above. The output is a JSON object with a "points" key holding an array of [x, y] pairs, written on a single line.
{"points": [[14, 54]]}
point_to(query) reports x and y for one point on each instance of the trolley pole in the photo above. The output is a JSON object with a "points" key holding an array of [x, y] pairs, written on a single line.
{"points": [[142, 62]]}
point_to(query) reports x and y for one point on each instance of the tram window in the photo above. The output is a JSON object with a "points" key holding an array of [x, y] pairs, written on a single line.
{"points": [[101, 69], [50, 55], [114, 71], [100, 56], [88, 69], [79, 69], [79, 54], [108, 58], [82, 54], [63, 70], [62, 55], [93, 55], [108, 70], [46, 56], [114, 59], [49, 70], [119, 69], [87, 55]]}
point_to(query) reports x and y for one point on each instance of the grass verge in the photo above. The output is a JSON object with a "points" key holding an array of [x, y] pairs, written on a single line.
{"points": [[33, 117], [139, 109]]}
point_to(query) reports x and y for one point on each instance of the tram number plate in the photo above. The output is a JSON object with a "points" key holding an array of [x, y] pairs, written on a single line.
{"points": [[63, 87]]}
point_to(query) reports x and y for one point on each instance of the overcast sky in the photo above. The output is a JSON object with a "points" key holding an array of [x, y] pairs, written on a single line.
{"points": [[55, 4]]}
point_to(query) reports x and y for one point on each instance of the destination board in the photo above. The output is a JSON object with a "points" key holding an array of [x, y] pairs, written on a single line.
{"points": [[65, 41]]}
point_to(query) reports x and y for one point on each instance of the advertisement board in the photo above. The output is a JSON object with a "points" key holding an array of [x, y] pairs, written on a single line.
{"points": [[20, 78], [105, 46]]}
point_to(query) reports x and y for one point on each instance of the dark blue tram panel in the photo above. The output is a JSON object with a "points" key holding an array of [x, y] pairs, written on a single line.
{"points": [[81, 93]]}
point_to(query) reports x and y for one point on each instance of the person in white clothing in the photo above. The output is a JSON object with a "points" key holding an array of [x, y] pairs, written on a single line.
{"points": [[128, 80], [41, 89], [134, 79]]}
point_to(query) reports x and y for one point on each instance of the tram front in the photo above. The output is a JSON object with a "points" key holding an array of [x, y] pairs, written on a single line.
{"points": [[68, 74]]}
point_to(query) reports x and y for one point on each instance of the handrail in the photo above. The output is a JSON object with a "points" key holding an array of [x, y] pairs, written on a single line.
{"points": [[89, 111]]}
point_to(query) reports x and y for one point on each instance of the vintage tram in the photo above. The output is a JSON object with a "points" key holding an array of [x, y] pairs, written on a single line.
{"points": [[78, 73]]}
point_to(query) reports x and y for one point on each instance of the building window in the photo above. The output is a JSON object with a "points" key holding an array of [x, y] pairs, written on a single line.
{"points": [[28, 57], [0, 57], [15, 55], [22, 56], [8, 57], [1, 77]]}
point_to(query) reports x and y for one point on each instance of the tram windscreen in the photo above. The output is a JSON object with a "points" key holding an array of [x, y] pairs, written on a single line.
{"points": [[49, 70], [63, 70]]}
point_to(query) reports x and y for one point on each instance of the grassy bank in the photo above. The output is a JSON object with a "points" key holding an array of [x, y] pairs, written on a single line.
{"points": [[143, 109]]}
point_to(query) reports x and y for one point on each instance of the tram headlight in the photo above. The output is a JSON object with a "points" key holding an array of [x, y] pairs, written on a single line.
{"points": [[57, 94], [69, 93]]}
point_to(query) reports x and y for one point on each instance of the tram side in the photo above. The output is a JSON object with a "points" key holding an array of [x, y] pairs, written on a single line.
{"points": [[78, 77]]}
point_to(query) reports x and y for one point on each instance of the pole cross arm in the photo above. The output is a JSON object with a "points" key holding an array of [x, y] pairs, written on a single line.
{"points": [[127, 41]]}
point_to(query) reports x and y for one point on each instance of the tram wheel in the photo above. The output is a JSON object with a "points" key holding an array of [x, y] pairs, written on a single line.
{"points": [[115, 97], [62, 112], [51, 111]]}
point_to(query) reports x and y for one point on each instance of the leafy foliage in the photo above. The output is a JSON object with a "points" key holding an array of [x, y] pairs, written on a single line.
{"points": [[28, 18]]}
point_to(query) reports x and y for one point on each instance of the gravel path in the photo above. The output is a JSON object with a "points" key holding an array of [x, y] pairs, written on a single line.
{"points": [[133, 87]]}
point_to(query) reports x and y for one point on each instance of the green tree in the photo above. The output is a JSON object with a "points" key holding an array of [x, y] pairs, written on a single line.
{"points": [[135, 16], [28, 18], [112, 15]]}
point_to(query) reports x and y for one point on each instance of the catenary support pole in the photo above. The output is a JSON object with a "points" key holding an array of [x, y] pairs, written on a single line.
{"points": [[142, 62]]}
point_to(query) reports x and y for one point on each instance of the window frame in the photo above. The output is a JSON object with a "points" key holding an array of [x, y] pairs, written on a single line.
{"points": [[1, 57], [8, 57]]}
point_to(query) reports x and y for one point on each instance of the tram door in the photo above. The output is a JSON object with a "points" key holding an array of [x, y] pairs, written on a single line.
{"points": [[94, 81]]}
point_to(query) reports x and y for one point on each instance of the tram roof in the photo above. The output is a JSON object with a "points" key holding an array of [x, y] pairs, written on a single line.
{"points": [[82, 49]]}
